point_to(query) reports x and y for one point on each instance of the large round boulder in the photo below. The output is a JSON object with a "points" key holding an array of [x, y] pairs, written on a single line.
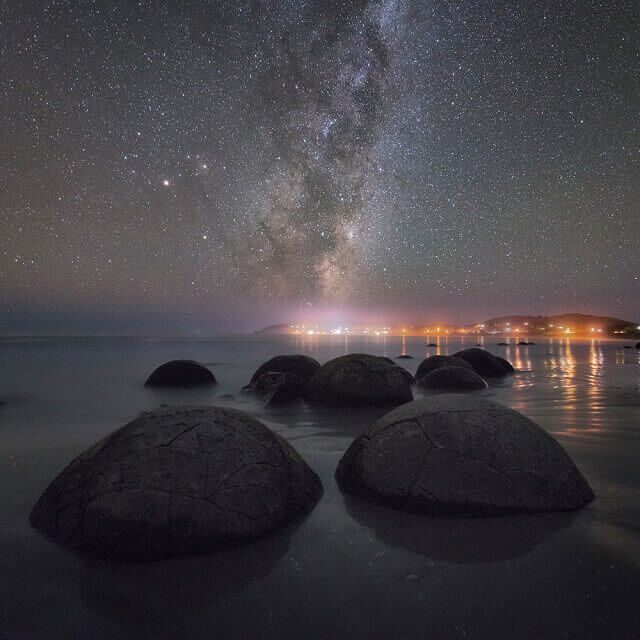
{"points": [[452, 380], [181, 373], [506, 364], [360, 378], [463, 455], [484, 363], [436, 362], [300, 365], [177, 480]]}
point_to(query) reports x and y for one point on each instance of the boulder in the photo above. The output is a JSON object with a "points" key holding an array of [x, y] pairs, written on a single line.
{"points": [[637, 345], [181, 373], [276, 387], [177, 480], [300, 365], [502, 344], [436, 362], [452, 380], [485, 364], [359, 378], [626, 346], [404, 356], [432, 344], [506, 364], [462, 455]]}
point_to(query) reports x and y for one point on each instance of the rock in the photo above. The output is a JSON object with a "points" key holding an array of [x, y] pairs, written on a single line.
{"points": [[181, 373], [359, 378], [485, 364], [176, 481], [436, 362], [626, 346], [452, 380], [404, 356], [462, 455], [523, 343], [432, 344], [506, 364], [276, 387], [503, 344], [637, 345], [302, 366]]}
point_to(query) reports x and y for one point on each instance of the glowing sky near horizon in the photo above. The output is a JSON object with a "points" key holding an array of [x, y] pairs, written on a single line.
{"points": [[189, 166]]}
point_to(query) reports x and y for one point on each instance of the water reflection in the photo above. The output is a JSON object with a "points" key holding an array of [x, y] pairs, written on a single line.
{"points": [[458, 540]]}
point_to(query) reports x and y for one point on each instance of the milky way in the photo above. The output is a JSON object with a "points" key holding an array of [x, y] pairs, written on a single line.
{"points": [[195, 166]]}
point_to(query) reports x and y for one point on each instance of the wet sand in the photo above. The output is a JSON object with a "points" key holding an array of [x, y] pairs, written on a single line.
{"points": [[350, 569]]}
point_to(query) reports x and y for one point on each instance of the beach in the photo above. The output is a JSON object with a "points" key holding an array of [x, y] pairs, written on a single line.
{"points": [[350, 568]]}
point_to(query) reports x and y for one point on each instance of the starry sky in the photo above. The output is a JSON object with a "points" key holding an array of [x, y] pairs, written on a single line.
{"points": [[184, 166]]}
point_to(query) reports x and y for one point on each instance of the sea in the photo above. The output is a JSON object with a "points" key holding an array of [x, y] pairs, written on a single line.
{"points": [[350, 569]]}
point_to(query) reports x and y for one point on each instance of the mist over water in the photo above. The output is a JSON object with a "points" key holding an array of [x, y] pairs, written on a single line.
{"points": [[432, 577]]}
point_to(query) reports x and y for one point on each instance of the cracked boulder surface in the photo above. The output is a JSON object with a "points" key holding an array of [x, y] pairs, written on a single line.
{"points": [[462, 455], [175, 481], [358, 379], [300, 365], [181, 373], [485, 364], [452, 380], [436, 362]]}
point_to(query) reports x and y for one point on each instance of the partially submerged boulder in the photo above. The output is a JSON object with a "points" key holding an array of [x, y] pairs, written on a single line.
{"points": [[300, 365], [177, 480], [404, 356], [462, 455], [436, 362], [452, 380], [276, 387], [181, 373], [485, 364], [360, 378], [506, 364]]}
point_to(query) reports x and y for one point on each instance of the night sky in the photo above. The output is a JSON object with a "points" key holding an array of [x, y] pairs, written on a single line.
{"points": [[185, 166]]}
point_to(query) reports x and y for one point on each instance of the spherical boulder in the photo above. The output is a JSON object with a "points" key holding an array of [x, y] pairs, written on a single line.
{"points": [[360, 378], [485, 364], [436, 362], [506, 364], [181, 373], [462, 455], [300, 365], [276, 387], [177, 480], [452, 380]]}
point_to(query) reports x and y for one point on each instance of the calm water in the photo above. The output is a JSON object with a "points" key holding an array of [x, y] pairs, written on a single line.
{"points": [[349, 569]]}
